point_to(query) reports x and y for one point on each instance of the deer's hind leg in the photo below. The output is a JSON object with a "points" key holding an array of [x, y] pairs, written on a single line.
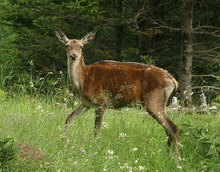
{"points": [[155, 104]]}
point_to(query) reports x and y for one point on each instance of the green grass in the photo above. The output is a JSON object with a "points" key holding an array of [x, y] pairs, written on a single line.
{"points": [[130, 140]]}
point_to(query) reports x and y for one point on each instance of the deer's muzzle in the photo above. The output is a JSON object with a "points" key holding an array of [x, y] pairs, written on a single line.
{"points": [[73, 56]]}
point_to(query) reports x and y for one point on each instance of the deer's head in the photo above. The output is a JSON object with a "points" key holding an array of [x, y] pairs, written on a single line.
{"points": [[74, 46]]}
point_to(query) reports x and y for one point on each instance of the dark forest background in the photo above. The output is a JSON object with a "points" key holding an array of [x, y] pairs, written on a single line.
{"points": [[182, 37]]}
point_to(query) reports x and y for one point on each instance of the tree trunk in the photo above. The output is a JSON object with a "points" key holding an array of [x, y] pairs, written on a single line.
{"points": [[146, 37], [119, 31], [186, 55], [146, 42]]}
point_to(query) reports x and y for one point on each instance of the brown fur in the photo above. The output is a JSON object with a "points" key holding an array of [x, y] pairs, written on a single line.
{"points": [[131, 81], [117, 84]]}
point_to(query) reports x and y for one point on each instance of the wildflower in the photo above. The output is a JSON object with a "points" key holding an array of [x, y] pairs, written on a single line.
{"points": [[141, 168], [110, 152], [39, 107], [31, 84], [136, 161], [134, 149], [71, 94], [31, 63], [83, 152], [104, 125], [105, 168], [111, 155], [59, 152], [126, 167], [186, 133], [122, 135], [180, 167]]}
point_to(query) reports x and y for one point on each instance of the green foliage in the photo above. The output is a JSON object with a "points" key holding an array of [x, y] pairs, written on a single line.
{"points": [[202, 133], [7, 152], [2, 93], [216, 102]]}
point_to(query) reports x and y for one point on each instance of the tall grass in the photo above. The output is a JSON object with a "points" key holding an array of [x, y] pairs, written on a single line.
{"points": [[130, 140]]}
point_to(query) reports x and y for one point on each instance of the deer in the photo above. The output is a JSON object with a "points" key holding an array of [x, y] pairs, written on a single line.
{"points": [[124, 82]]}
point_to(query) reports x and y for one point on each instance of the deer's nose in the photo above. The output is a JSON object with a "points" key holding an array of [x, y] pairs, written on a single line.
{"points": [[73, 56]]}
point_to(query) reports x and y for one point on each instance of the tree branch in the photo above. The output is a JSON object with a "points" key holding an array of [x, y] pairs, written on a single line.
{"points": [[207, 87], [205, 27], [207, 33], [208, 75]]}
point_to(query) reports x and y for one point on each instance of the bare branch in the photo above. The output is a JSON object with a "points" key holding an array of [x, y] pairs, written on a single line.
{"points": [[167, 27], [163, 25], [209, 50], [208, 57], [207, 33], [207, 87], [205, 27], [208, 75]]}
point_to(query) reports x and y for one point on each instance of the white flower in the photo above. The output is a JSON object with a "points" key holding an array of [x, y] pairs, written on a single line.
{"points": [[141, 168], [71, 94], [104, 125], [111, 155], [39, 107], [31, 84], [105, 168], [122, 135], [134, 149], [126, 167], [186, 133], [110, 152], [31, 63]]}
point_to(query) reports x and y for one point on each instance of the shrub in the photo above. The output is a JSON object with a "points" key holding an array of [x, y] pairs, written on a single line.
{"points": [[7, 152]]}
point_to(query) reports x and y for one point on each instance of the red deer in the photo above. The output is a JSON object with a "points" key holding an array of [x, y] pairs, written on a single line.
{"points": [[118, 84]]}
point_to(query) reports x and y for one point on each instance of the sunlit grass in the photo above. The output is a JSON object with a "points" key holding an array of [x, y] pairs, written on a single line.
{"points": [[130, 139]]}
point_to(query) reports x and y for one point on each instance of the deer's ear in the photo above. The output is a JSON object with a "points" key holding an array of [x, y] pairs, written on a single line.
{"points": [[88, 38], [61, 36]]}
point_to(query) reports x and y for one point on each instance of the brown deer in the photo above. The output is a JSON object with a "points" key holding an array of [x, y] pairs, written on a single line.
{"points": [[118, 84]]}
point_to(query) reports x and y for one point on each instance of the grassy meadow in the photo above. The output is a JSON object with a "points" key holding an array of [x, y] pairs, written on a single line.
{"points": [[130, 140]]}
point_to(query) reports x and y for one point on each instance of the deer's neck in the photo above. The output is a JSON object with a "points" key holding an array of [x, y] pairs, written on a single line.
{"points": [[75, 73]]}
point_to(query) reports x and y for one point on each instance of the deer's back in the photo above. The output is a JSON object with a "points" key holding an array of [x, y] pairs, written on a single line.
{"points": [[121, 83]]}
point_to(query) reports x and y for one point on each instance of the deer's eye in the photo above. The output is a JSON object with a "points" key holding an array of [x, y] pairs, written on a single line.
{"points": [[81, 47]]}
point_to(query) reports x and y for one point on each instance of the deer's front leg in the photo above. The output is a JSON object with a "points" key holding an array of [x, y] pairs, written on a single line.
{"points": [[79, 111], [98, 120]]}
